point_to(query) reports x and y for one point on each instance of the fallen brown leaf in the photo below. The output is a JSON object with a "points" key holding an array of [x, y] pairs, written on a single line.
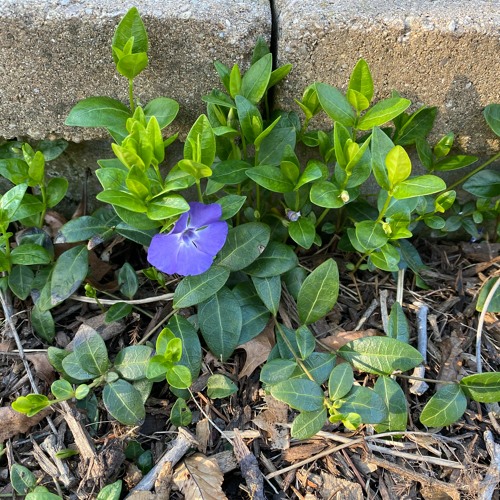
{"points": [[257, 350], [337, 340], [199, 477], [335, 487], [273, 421], [43, 368], [16, 423]]}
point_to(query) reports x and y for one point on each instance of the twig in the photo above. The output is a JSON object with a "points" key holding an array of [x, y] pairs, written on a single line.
{"points": [[110, 302], [479, 333], [383, 310], [492, 476], [180, 446], [8, 318], [367, 314], [249, 468], [419, 387], [400, 286]]}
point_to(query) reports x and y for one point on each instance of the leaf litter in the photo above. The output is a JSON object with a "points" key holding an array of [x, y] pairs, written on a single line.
{"points": [[459, 461]]}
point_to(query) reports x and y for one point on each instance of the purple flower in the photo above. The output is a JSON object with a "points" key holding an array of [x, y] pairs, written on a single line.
{"points": [[190, 247]]}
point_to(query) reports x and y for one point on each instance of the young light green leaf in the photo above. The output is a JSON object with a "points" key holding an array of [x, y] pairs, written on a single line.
{"points": [[220, 387], [398, 165], [340, 381], [200, 142], [195, 289], [179, 376], [132, 361], [445, 407], [31, 404], [395, 401], [191, 347], [380, 355], [308, 423], [131, 26], [335, 105], [62, 389], [318, 294], [383, 112], [300, 394], [111, 491], [361, 80], [180, 414], [124, 402], [482, 387], [255, 80], [419, 186]]}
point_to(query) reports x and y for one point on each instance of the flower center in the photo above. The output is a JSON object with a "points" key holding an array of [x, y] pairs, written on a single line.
{"points": [[189, 236]]}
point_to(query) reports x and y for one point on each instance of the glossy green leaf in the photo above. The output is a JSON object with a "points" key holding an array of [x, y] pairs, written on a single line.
{"points": [[10, 201], [484, 184], [230, 171], [276, 259], [419, 186], [80, 229], [71, 365], [273, 146], [492, 116], [132, 361], [271, 178], [308, 423], [277, 370], [386, 258], [380, 355], [21, 280], [454, 162], [398, 165], [165, 207], [231, 205], [303, 232], [340, 381], [30, 254], [195, 289], [180, 414], [118, 311], [366, 403], [326, 194], [445, 407], [361, 80], [128, 281], [269, 291], [220, 323], [62, 389], [122, 199], [220, 387], [418, 126], [300, 394], [191, 347], [92, 354], [255, 80], [383, 112], [244, 244], [163, 109], [335, 105], [22, 479], [179, 376], [318, 294], [124, 402], [494, 305], [395, 401], [111, 491], [371, 235], [397, 327], [482, 387], [131, 26], [320, 365], [200, 142]]}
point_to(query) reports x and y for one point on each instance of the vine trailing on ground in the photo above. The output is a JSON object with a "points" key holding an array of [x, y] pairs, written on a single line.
{"points": [[259, 211]]}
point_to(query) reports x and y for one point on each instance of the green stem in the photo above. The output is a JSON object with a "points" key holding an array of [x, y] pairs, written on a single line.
{"points": [[384, 208], [432, 381], [131, 95], [475, 171], [257, 198], [322, 216], [198, 189], [43, 192]]}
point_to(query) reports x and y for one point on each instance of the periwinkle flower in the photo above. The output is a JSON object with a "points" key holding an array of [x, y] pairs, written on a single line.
{"points": [[190, 247]]}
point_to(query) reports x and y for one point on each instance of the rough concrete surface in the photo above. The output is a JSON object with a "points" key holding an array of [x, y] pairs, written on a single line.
{"points": [[443, 53], [54, 53]]}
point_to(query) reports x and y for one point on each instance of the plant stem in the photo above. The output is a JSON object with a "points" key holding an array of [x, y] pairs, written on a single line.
{"points": [[43, 192], [322, 216], [198, 189], [475, 171], [131, 94], [411, 377]]}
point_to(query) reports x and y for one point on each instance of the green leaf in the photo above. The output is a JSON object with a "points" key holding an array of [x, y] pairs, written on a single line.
{"points": [[124, 402], [179, 376], [277, 370], [303, 232], [383, 112], [111, 491], [255, 80], [398, 165], [357, 100], [41, 493], [69, 272], [492, 116], [361, 80], [220, 387], [419, 186], [300, 394], [220, 323], [244, 244], [80, 229], [191, 347], [395, 401], [82, 391], [157, 368], [482, 387], [494, 305], [165, 207], [231, 205], [314, 170], [454, 162], [122, 199], [380, 355], [326, 194], [200, 142], [99, 112], [92, 354], [484, 184], [370, 234], [56, 191], [275, 260], [318, 294], [131, 26], [132, 65], [180, 414], [340, 381], [11, 200], [62, 389], [20, 281], [386, 258], [445, 407], [366, 403], [271, 178], [308, 423], [29, 254], [31, 404], [163, 109], [132, 361], [417, 126], [269, 291], [127, 281], [381, 145], [118, 311], [71, 365], [306, 341], [274, 145], [397, 327], [22, 479], [195, 289], [320, 365], [230, 171], [335, 104]]}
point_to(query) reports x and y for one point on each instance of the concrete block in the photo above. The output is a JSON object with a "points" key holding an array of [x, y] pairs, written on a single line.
{"points": [[441, 53], [54, 53]]}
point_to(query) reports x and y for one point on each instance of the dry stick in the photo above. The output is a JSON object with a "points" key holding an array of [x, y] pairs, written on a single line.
{"points": [[249, 468], [418, 387], [180, 446], [19, 344], [366, 314], [110, 302], [383, 310], [400, 286], [492, 477]]}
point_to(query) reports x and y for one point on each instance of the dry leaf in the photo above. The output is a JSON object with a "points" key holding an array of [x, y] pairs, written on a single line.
{"points": [[273, 421], [203, 434], [339, 489], [257, 350], [451, 351], [43, 368], [337, 340], [199, 477], [16, 423], [303, 451], [143, 495]]}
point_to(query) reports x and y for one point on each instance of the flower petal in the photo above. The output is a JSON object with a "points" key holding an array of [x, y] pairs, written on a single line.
{"points": [[212, 237], [200, 215], [191, 261], [163, 252]]}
